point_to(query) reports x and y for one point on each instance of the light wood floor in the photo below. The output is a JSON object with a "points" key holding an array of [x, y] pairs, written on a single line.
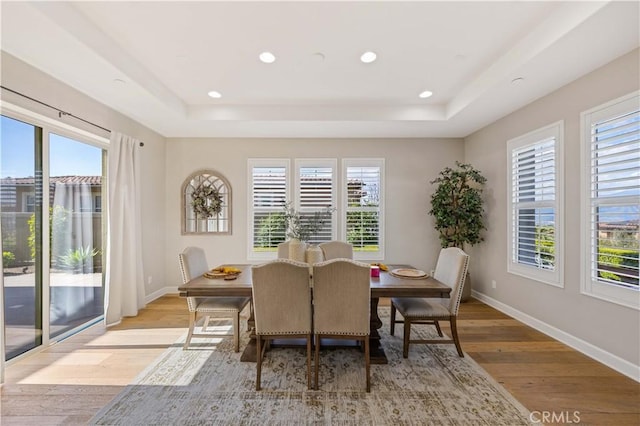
{"points": [[69, 382]]}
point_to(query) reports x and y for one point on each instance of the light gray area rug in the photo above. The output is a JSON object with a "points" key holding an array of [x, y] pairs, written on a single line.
{"points": [[208, 385]]}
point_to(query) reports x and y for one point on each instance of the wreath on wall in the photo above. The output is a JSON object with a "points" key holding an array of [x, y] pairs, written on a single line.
{"points": [[206, 201]]}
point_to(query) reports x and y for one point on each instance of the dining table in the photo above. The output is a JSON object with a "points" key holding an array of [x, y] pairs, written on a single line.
{"points": [[386, 285]]}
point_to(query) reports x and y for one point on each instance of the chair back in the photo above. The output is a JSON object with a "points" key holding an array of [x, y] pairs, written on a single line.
{"points": [[341, 297], [283, 250], [281, 298], [336, 250], [193, 263], [451, 270]]}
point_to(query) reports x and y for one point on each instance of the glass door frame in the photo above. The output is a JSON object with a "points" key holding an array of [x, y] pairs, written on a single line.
{"points": [[50, 125]]}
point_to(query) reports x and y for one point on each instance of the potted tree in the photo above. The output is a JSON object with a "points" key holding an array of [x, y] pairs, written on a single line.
{"points": [[457, 208]]}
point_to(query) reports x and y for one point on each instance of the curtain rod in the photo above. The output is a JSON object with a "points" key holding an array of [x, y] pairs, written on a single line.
{"points": [[61, 113]]}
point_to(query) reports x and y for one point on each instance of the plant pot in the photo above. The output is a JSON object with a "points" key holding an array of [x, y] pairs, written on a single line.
{"points": [[297, 250], [314, 254]]}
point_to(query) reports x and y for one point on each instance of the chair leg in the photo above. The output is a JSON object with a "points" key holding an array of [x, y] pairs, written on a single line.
{"points": [[192, 324], [392, 322], [309, 337], [437, 324], [205, 324], [258, 361], [236, 330], [407, 335], [317, 362], [454, 334], [367, 362]]}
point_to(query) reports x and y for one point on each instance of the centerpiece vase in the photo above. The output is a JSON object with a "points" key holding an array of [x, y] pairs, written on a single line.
{"points": [[314, 254], [297, 250]]}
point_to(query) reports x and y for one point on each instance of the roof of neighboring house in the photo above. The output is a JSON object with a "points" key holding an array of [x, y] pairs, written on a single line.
{"points": [[618, 226], [65, 180]]}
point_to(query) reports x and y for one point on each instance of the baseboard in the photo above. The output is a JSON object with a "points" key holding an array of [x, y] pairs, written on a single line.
{"points": [[159, 293], [620, 365]]}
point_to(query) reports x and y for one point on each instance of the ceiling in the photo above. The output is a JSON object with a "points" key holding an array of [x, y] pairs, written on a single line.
{"points": [[156, 61]]}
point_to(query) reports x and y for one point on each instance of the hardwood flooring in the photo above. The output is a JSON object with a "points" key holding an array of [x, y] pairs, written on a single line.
{"points": [[69, 382]]}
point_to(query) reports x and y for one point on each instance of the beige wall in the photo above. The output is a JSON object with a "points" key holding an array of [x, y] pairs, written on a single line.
{"points": [[25, 79], [606, 325], [409, 166]]}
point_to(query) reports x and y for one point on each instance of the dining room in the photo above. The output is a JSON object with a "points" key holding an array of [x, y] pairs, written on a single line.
{"points": [[543, 343]]}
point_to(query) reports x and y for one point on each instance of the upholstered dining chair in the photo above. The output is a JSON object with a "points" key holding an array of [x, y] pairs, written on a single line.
{"points": [[283, 250], [281, 307], [451, 269], [336, 250], [193, 263], [341, 306]]}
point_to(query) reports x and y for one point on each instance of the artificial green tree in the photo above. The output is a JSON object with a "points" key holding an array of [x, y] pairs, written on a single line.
{"points": [[457, 207]]}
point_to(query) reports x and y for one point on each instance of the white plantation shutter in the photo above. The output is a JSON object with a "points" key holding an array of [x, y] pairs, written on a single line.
{"points": [[363, 187], [269, 193], [535, 219], [316, 193], [533, 198], [612, 137]]}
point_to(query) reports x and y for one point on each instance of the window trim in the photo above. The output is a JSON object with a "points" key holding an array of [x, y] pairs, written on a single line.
{"points": [[556, 277], [364, 162], [251, 164], [623, 296]]}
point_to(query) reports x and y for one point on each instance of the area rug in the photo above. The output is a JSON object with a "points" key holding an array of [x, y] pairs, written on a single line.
{"points": [[208, 385]]}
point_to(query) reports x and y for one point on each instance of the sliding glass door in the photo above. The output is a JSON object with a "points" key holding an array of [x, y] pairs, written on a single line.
{"points": [[76, 230], [52, 233]]}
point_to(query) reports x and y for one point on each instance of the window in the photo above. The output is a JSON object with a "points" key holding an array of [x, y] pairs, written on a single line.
{"points": [[535, 204], [29, 201], [363, 213], [611, 193], [356, 196], [268, 179], [316, 191]]}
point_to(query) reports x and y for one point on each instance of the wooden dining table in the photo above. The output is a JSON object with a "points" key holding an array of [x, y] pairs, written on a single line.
{"points": [[386, 285]]}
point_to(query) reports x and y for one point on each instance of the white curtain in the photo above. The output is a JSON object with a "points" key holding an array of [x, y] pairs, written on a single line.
{"points": [[124, 292]]}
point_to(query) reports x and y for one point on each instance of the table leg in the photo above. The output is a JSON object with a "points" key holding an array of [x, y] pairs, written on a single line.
{"points": [[376, 352], [249, 352]]}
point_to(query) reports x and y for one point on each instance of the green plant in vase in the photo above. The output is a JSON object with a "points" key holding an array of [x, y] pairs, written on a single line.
{"points": [[458, 208], [304, 226]]}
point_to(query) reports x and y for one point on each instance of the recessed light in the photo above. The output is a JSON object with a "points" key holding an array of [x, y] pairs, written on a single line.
{"points": [[267, 57], [214, 94], [368, 57], [425, 94]]}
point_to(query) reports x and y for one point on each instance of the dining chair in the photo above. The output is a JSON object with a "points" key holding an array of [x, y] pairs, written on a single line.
{"points": [[281, 307], [283, 250], [193, 263], [451, 270], [341, 306], [336, 250]]}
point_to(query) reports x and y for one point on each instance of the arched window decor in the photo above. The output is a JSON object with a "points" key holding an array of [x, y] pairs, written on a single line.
{"points": [[206, 203]]}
